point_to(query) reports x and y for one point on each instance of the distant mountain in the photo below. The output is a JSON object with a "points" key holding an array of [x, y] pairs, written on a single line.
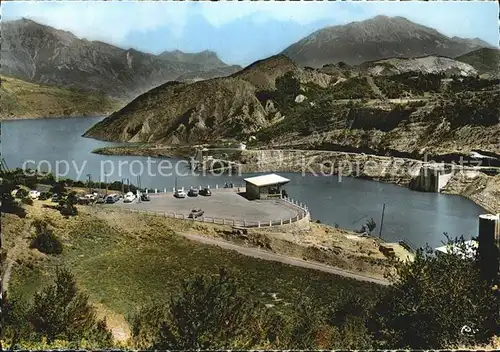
{"points": [[207, 59], [42, 54], [485, 61], [374, 39]]}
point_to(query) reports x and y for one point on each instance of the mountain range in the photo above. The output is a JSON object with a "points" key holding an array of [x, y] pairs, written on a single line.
{"points": [[378, 38], [41, 54]]}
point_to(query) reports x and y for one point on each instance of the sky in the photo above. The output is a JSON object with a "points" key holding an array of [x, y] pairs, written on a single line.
{"points": [[242, 32]]}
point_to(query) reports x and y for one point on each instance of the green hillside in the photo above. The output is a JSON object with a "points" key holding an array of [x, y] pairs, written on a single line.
{"points": [[20, 99]]}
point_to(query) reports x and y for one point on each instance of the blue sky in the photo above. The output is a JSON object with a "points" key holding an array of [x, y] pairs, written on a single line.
{"points": [[242, 32]]}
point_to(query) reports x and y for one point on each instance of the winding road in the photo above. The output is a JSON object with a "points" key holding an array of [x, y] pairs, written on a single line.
{"points": [[261, 254]]}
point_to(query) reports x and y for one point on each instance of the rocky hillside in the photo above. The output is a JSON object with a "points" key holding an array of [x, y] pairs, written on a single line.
{"points": [[485, 61], [21, 99], [337, 108], [207, 110], [426, 64], [374, 39], [42, 54]]}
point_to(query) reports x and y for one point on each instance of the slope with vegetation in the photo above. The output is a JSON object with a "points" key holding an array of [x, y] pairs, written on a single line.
{"points": [[484, 60], [202, 297], [21, 99]]}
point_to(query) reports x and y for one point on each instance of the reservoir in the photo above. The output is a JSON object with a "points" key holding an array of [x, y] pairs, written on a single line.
{"points": [[421, 218]]}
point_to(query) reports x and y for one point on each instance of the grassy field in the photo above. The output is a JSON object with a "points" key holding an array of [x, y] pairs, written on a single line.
{"points": [[128, 262], [24, 99]]}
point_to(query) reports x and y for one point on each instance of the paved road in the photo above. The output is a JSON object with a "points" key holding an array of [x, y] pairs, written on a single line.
{"points": [[261, 254], [228, 205]]}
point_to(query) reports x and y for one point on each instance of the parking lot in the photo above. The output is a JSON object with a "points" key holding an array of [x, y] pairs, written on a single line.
{"points": [[227, 205]]}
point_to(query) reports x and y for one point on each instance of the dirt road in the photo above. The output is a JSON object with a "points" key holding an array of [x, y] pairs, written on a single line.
{"points": [[261, 254]]}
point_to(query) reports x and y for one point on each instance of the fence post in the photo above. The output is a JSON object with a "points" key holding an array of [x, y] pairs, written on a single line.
{"points": [[223, 221], [213, 220], [216, 186], [281, 221], [290, 221], [164, 190], [146, 191], [244, 223], [173, 189], [156, 190], [233, 222], [258, 223], [270, 223]]}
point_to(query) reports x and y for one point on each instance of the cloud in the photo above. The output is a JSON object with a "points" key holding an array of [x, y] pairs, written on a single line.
{"points": [[219, 14], [109, 21]]}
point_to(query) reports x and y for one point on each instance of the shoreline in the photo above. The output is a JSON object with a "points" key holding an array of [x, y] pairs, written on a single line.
{"points": [[468, 184], [23, 118]]}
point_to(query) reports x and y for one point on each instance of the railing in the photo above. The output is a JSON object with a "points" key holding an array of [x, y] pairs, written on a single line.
{"points": [[302, 213], [230, 187]]}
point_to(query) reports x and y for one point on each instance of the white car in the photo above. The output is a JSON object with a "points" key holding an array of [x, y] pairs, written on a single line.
{"points": [[129, 197], [34, 194], [180, 193]]}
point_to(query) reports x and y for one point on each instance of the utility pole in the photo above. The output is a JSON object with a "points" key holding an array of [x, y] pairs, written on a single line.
{"points": [[381, 222], [90, 178], [123, 186]]}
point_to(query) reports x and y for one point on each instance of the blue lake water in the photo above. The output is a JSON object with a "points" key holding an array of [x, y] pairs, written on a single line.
{"points": [[418, 217]]}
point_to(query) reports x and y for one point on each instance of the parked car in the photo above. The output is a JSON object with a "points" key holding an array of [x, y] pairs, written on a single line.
{"points": [[90, 197], [33, 194], [83, 201], [193, 192], [205, 192], [129, 197], [112, 198], [195, 213], [100, 200], [145, 197], [180, 193]]}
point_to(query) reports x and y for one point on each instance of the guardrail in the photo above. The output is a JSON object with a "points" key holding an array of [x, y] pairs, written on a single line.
{"points": [[302, 213], [228, 187]]}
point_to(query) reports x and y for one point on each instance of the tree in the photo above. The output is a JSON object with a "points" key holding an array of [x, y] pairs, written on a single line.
{"points": [[67, 206], [371, 225], [45, 240], [209, 313], [60, 311], [434, 301], [9, 204]]}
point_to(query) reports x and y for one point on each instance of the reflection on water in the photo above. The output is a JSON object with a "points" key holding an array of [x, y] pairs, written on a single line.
{"points": [[419, 217]]}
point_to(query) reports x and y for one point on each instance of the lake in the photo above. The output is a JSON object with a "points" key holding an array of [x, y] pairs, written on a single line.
{"points": [[418, 217]]}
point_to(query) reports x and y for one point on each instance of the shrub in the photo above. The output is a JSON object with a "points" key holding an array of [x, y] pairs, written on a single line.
{"points": [[45, 240], [60, 311], [209, 313], [430, 302]]}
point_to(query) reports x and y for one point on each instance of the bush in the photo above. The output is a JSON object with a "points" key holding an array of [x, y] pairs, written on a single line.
{"points": [[431, 301], [45, 240], [209, 313], [60, 311]]}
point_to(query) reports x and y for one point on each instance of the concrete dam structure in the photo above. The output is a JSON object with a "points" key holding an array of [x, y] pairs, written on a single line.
{"points": [[432, 178]]}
